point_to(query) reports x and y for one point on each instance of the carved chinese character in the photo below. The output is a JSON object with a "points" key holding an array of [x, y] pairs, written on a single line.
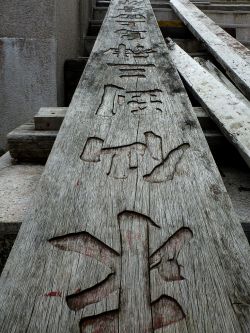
{"points": [[131, 34], [130, 23], [129, 276], [145, 102], [123, 52], [140, 102], [124, 159], [130, 16]]}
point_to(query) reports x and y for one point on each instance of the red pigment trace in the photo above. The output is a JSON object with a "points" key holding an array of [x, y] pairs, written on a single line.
{"points": [[53, 294]]}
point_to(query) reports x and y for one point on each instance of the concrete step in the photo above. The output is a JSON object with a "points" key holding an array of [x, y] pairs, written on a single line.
{"points": [[172, 29], [225, 5], [190, 45], [155, 4], [161, 13], [27, 144], [17, 185], [223, 15], [51, 118]]}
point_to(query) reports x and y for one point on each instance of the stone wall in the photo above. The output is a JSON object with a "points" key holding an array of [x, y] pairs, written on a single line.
{"points": [[36, 37]]}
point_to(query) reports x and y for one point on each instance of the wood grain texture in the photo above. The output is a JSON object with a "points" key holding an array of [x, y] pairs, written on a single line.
{"points": [[101, 213], [217, 73], [230, 110], [230, 53]]}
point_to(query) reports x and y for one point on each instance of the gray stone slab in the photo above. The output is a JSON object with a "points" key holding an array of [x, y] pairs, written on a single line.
{"points": [[27, 144], [28, 80], [49, 118], [36, 38], [17, 184], [15, 15]]}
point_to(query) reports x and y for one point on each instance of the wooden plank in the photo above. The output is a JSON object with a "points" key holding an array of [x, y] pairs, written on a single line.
{"points": [[230, 112], [130, 180], [212, 69], [230, 53]]}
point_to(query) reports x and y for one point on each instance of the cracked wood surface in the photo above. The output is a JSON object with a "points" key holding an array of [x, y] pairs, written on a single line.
{"points": [[230, 53], [106, 250], [230, 110]]}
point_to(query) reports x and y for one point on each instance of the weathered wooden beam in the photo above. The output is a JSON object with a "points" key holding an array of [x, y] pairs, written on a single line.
{"points": [[131, 228], [213, 70], [232, 55], [230, 111]]}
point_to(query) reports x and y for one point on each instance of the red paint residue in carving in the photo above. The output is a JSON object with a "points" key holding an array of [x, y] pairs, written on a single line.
{"points": [[77, 291], [132, 237], [91, 252], [53, 294], [158, 322]]}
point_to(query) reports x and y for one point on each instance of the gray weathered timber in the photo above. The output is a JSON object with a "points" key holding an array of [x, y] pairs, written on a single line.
{"points": [[212, 69], [230, 111], [130, 181], [232, 55]]}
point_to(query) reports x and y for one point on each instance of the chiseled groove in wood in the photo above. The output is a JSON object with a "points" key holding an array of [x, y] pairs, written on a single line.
{"points": [[77, 196], [232, 55]]}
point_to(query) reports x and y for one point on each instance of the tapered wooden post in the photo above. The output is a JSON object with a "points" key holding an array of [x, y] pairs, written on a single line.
{"points": [[131, 228]]}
